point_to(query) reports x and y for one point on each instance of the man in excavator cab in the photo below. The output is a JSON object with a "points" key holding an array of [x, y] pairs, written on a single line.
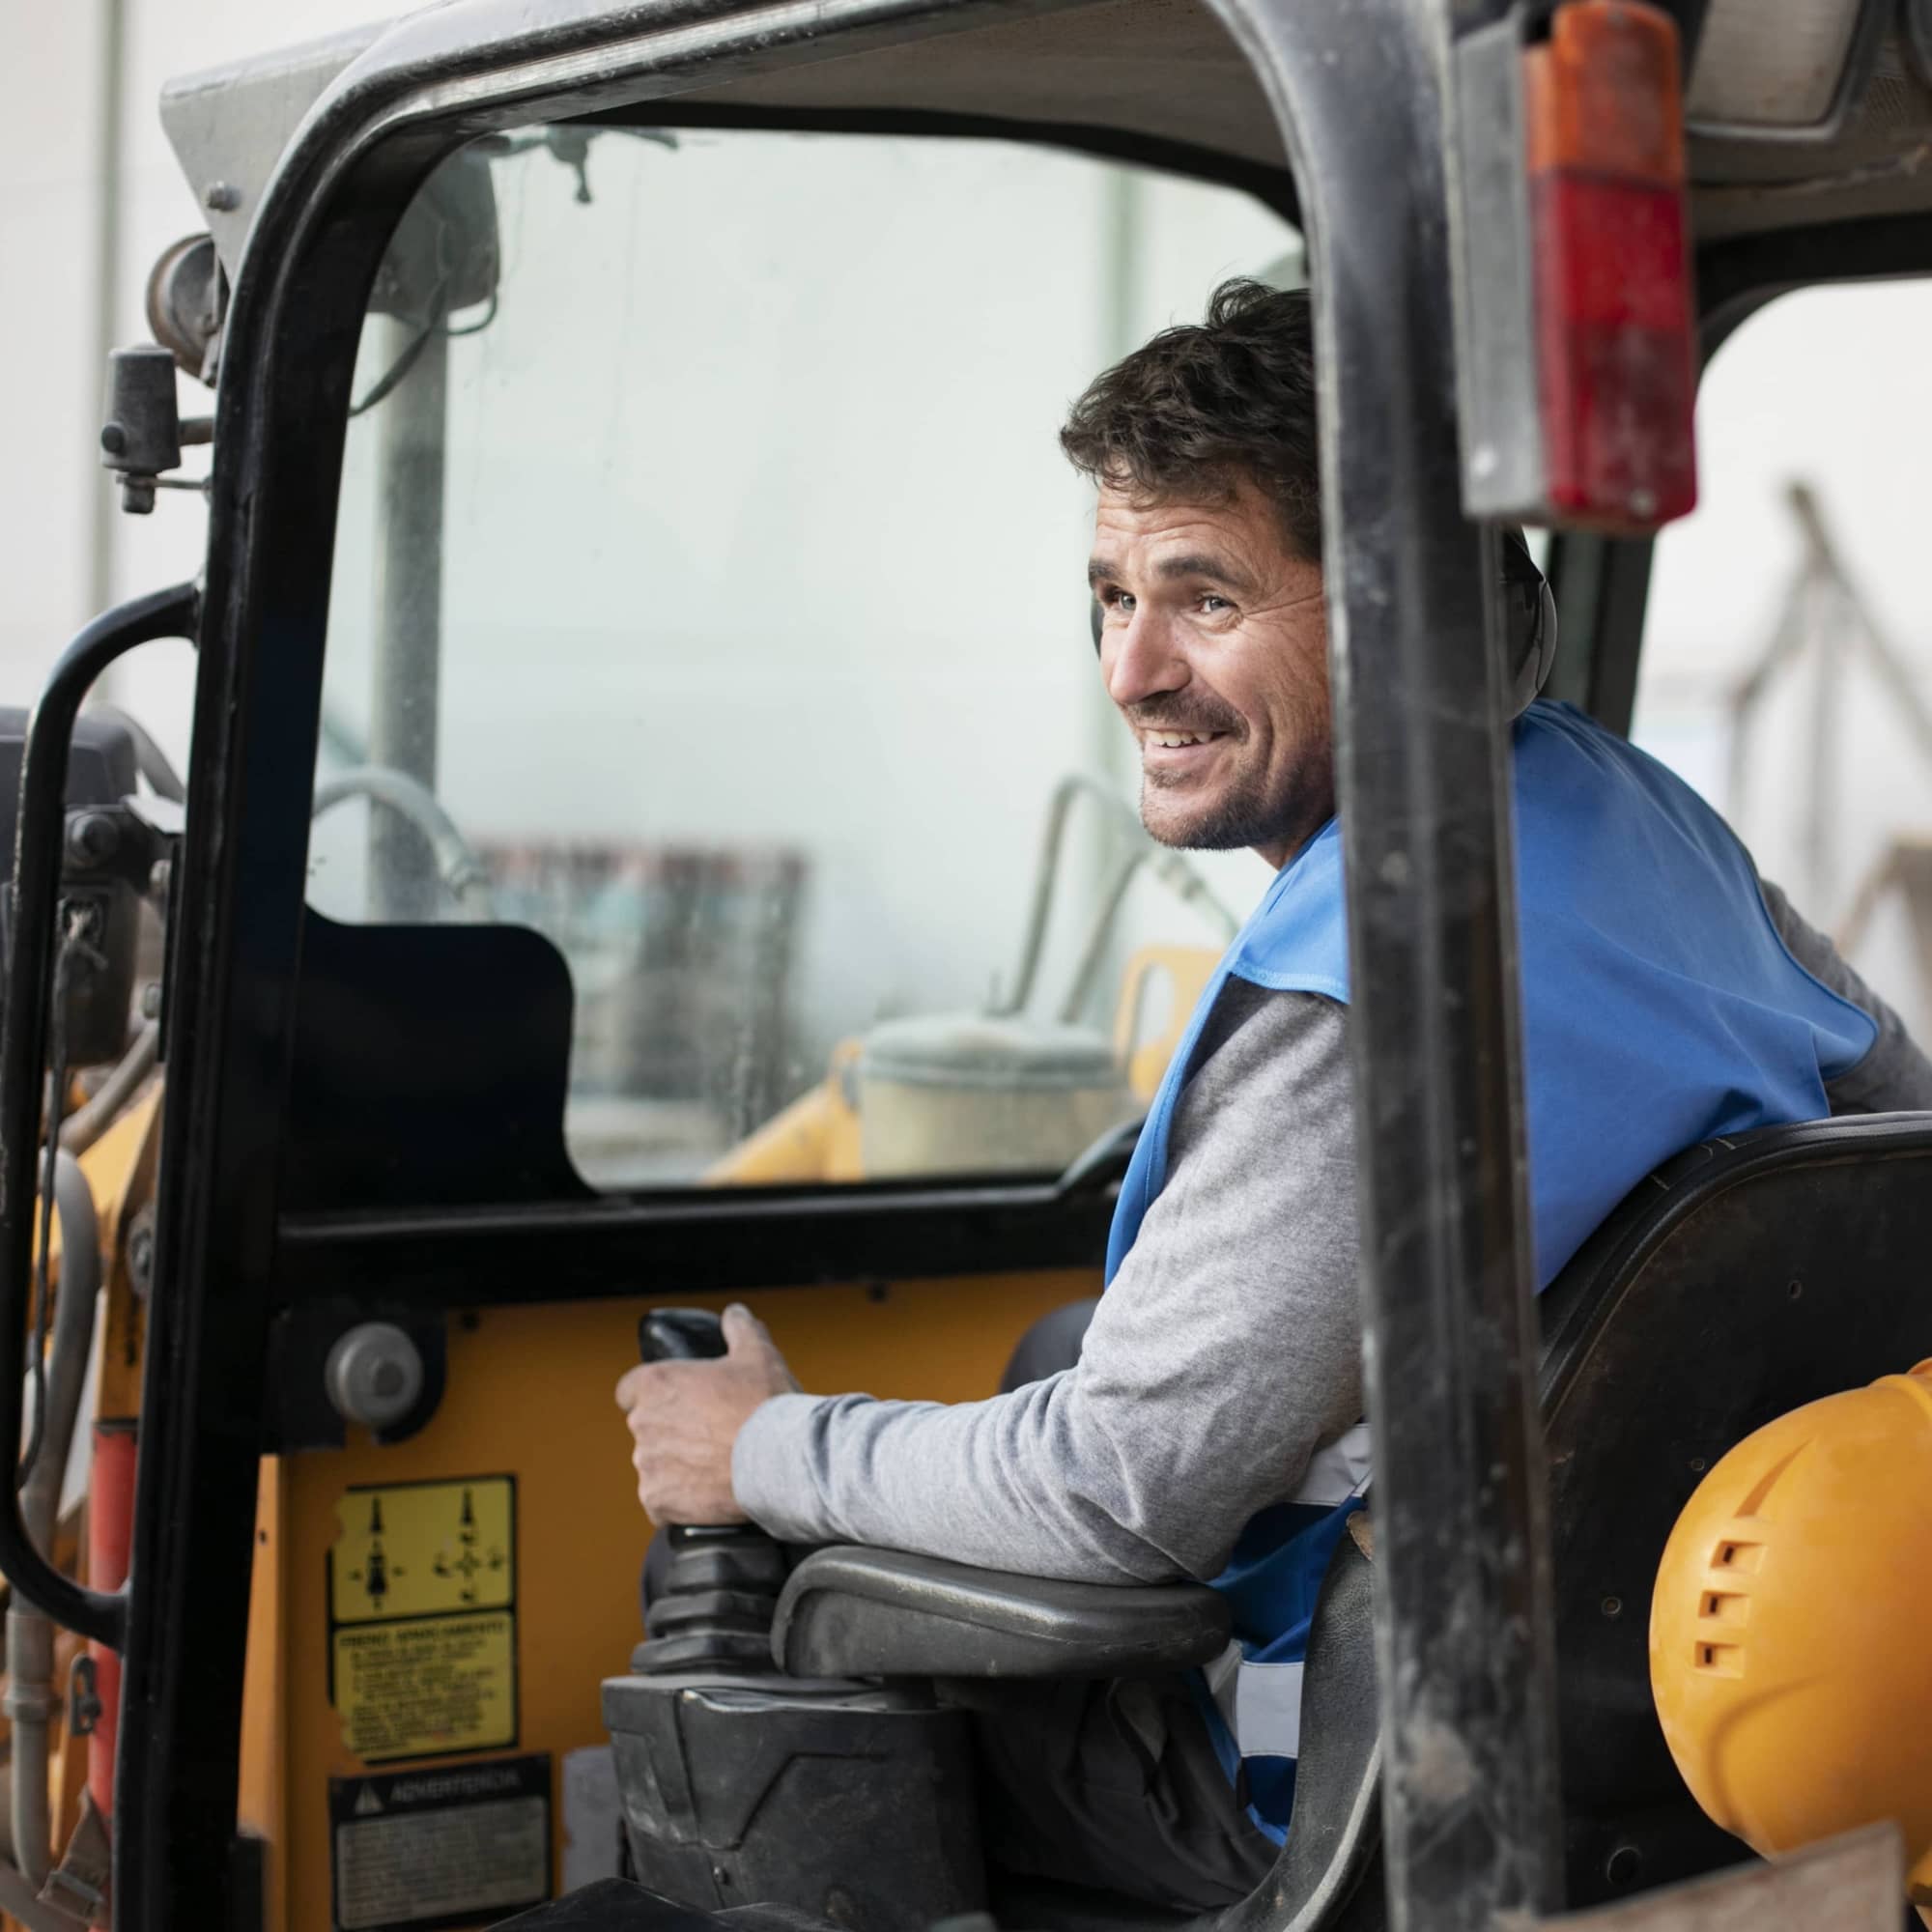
{"points": [[1209, 1422], [553, 349]]}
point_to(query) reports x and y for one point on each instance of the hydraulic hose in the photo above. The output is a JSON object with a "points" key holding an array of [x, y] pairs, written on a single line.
{"points": [[1169, 867], [30, 1699], [89, 1121], [463, 873], [110, 1537]]}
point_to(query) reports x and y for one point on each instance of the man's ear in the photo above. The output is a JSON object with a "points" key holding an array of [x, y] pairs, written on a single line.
{"points": [[1096, 620]]}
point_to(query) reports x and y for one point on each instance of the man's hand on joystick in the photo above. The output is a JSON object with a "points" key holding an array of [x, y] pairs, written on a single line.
{"points": [[685, 1416]]}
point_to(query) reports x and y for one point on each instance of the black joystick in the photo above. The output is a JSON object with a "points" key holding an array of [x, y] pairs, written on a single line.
{"points": [[714, 1609]]}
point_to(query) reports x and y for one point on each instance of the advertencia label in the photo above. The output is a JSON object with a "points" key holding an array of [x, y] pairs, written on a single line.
{"points": [[422, 1613], [416, 1850]]}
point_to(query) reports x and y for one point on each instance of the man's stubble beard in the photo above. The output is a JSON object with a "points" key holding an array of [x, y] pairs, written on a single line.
{"points": [[1248, 814]]}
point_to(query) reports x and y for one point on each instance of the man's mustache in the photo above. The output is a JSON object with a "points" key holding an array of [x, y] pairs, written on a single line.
{"points": [[1152, 717]]}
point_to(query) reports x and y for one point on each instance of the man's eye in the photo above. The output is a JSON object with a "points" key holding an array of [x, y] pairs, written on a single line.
{"points": [[1118, 600], [1210, 602]]}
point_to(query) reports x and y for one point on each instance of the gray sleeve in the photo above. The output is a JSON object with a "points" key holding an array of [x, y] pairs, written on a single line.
{"points": [[1226, 1352], [1894, 1076]]}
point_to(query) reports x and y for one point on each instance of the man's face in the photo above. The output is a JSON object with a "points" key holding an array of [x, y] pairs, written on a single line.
{"points": [[1215, 646]]}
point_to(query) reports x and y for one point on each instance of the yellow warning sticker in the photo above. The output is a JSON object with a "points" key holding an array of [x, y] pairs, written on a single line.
{"points": [[427, 1686], [412, 1550], [422, 1612]]}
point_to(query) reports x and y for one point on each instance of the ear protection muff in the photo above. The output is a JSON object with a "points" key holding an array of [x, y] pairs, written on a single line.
{"points": [[1529, 622]]}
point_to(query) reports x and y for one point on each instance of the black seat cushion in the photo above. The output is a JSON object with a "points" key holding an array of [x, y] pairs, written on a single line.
{"points": [[852, 1612], [1334, 1838]]}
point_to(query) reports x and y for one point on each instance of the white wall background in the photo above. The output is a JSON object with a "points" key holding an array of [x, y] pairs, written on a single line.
{"points": [[53, 194]]}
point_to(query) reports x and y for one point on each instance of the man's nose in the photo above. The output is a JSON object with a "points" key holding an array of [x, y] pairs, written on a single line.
{"points": [[1145, 660]]}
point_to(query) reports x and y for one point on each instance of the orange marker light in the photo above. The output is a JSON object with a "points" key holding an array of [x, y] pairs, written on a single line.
{"points": [[1615, 323]]}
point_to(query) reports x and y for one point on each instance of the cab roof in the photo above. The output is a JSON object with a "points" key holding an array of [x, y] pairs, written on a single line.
{"points": [[1164, 76]]}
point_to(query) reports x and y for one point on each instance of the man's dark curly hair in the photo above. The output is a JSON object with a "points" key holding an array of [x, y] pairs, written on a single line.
{"points": [[1204, 406]]}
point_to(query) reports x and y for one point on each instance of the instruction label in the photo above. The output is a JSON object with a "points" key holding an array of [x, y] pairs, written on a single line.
{"points": [[413, 1549], [427, 1688], [422, 1612], [418, 1850]]}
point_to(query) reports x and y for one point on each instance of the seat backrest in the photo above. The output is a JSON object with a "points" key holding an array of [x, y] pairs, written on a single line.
{"points": [[1744, 1279], [1335, 1837]]}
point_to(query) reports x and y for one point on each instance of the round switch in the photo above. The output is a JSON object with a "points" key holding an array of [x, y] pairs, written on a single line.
{"points": [[374, 1374]]}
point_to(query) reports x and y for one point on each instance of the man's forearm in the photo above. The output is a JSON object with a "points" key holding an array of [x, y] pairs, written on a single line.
{"points": [[995, 1484]]}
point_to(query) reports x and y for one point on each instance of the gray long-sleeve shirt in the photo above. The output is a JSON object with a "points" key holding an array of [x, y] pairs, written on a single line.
{"points": [[1223, 1357]]}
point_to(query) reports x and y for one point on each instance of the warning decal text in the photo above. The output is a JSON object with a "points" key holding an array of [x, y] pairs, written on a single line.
{"points": [[418, 1850]]}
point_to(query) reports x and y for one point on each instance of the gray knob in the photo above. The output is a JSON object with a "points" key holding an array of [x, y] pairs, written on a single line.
{"points": [[374, 1374], [140, 430]]}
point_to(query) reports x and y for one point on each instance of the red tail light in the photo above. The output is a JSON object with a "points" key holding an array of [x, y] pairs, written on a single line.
{"points": [[1615, 321]]}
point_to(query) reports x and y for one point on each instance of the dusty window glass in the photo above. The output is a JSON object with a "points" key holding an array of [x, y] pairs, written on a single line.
{"points": [[709, 597], [1787, 667]]}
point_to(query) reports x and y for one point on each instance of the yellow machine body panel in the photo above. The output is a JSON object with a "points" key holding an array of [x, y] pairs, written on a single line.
{"points": [[489, 1647], [816, 1138], [1181, 973]]}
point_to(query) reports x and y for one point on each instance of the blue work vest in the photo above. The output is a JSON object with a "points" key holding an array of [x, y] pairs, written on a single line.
{"points": [[1660, 1007]]}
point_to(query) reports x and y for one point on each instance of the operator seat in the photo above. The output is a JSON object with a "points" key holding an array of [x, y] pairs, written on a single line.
{"points": [[1744, 1278]]}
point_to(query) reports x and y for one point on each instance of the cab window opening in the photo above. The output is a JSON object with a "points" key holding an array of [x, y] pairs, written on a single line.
{"points": [[847, 873]]}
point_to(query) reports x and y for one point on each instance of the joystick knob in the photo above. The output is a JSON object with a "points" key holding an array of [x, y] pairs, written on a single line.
{"points": [[714, 1609]]}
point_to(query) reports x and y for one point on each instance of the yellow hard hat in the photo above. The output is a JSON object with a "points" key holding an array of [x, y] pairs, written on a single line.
{"points": [[1791, 1628]]}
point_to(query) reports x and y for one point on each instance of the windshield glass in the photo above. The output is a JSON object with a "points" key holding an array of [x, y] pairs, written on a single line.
{"points": [[709, 596]]}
